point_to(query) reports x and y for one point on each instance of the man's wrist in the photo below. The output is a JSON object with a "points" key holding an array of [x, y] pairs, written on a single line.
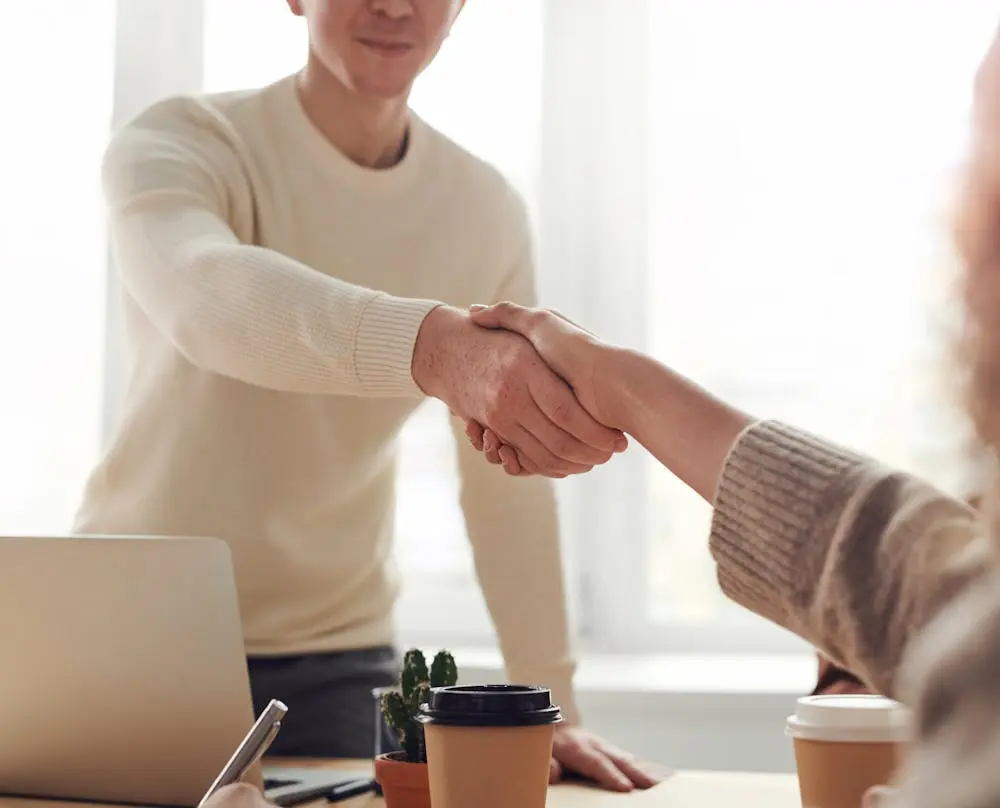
{"points": [[430, 365]]}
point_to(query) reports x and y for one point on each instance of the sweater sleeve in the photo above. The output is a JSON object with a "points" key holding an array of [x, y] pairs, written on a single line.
{"points": [[951, 678], [174, 191], [513, 528], [852, 556]]}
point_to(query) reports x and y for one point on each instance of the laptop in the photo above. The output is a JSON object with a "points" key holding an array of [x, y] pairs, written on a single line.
{"points": [[123, 673]]}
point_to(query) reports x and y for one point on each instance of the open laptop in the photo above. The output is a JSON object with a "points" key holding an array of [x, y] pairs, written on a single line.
{"points": [[123, 674]]}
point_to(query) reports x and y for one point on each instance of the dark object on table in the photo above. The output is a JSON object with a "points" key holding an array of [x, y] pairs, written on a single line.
{"points": [[355, 788], [830, 676], [286, 786]]}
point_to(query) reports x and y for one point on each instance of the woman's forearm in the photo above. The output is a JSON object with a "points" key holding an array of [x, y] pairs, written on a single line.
{"points": [[683, 426]]}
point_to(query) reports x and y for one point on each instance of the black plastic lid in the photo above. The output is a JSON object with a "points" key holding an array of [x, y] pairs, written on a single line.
{"points": [[490, 706]]}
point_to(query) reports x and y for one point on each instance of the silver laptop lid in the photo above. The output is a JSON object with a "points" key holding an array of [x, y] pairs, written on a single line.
{"points": [[124, 675]]}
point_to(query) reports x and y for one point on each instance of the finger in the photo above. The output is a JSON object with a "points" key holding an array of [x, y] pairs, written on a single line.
{"points": [[845, 689], [545, 461], [527, 466], [508, 456], [591, 762], [554, 407], [491, 447], [877, 797], [641, 775], [237, 794], [474, 432], [555, 771], [503, 315], [592, 441]]}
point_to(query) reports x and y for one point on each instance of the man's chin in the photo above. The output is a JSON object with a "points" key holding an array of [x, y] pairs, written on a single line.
{"points": [[384, 86]]}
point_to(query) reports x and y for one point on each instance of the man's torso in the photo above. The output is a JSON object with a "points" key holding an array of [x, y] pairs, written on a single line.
{"points": [[300, 486]]}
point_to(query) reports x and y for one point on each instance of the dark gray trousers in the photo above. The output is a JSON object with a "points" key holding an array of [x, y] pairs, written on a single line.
{"points": [[331, 710]]}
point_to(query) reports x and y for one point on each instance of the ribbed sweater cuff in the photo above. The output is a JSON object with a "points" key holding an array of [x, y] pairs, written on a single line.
{"points": [[776, 486], [383, 354]]}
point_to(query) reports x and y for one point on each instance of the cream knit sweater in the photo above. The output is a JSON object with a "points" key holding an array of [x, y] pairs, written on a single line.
{"points": [[273, 295]]}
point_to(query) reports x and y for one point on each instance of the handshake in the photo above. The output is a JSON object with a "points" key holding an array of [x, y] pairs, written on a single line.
{"points": [[532, 386]]}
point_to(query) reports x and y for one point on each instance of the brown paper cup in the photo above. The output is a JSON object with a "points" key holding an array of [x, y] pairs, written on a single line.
{"points": [[844, 745], [489, 746], [488, 767]]}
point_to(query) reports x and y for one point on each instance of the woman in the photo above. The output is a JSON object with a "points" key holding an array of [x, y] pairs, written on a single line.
{"points": [[890, 578]]}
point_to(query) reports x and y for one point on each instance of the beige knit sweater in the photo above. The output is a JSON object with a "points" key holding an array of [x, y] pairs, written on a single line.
{"points": [[889, 577]]}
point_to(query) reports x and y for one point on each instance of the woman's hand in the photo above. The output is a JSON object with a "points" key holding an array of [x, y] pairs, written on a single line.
{"points": [[238, 795], [569, 350]]}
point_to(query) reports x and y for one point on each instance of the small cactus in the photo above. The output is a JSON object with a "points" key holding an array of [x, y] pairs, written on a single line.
{"points": [[401, 707]]}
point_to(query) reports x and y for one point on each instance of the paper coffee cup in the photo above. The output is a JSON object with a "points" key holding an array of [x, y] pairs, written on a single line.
{"points": [[489, 746], [844, 745]]}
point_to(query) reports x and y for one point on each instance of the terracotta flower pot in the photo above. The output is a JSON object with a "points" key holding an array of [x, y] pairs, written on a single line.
{"points": [[404, 785]]}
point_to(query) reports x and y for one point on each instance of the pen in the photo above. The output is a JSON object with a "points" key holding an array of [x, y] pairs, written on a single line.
{"points": [[251, 748], [353, 788]]}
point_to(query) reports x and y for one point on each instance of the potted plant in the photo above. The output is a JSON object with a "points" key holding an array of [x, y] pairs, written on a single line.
{"points": [[402, 775]]}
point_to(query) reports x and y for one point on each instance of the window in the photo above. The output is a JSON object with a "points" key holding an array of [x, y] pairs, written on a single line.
{"points": [[753, 192], [801, 158], [53, 254]]}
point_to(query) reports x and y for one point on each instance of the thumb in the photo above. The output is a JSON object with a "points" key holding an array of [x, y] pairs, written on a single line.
{"points": [[500, 315]]}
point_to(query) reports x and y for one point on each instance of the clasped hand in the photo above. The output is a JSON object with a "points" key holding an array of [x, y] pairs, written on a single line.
{"points": [[491, 376], [571, 352]]}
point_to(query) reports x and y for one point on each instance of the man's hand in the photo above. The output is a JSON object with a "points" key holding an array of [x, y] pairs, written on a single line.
{"points": [[571, 351], [238, 795], [580, 752], [497, 379]]}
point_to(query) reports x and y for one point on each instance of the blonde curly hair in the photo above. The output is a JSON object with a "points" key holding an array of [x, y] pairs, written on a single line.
{"points": [[977, 239]]}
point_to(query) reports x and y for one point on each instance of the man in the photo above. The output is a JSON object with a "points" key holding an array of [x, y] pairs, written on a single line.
{"points": [[296, 264]]}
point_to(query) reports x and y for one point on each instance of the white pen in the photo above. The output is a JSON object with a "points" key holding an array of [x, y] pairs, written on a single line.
{"points": [[251, 748]]}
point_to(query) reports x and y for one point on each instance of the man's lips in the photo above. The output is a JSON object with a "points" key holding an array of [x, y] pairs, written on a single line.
{"points": [[387, 47]]}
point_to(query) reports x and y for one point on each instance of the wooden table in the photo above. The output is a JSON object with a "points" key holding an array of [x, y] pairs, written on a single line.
{"points": [[682, 790]]}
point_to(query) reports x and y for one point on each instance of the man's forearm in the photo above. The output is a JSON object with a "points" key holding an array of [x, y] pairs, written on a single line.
{"points": [[683, 426]]}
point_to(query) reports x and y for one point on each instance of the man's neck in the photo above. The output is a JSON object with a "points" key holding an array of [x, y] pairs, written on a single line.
{"points": [[369, 131]]}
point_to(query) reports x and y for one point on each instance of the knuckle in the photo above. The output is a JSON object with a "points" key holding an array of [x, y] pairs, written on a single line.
{"points": [[561, 413]]}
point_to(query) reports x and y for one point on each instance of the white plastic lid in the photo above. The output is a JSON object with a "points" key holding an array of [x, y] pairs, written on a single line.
{"points": [[850, 719]]}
